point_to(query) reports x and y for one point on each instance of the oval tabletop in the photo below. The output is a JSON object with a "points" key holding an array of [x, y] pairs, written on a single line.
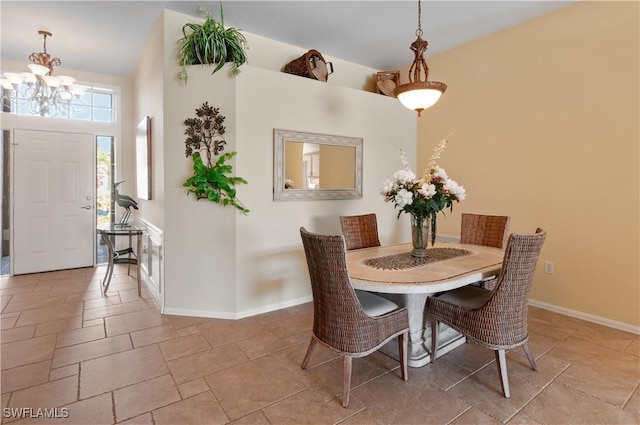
{"points": [[391, 269]]}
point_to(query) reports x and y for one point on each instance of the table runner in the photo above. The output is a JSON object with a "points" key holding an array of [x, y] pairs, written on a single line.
{"points": [[405, 260]]}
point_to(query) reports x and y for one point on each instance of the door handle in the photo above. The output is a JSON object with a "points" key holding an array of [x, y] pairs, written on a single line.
{"points": [[86, 207]]}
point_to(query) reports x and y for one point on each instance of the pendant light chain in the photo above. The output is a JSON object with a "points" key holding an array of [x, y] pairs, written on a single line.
{"points": [[419, 30]]}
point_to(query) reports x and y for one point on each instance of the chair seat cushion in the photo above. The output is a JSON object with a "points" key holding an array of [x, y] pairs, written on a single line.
{"points": [[375, 305], [468, 297]]}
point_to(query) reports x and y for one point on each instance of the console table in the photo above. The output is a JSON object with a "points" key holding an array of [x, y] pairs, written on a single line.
{"points": [[127, 255]]}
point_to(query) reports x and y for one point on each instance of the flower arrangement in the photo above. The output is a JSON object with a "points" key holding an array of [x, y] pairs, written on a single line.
{"points": [[423, 197]]}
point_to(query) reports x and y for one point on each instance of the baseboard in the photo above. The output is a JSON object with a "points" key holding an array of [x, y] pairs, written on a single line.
{"points": [[235, 316], [586, 316]]}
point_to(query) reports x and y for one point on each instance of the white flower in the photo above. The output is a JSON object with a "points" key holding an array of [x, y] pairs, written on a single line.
{"points": [[455, 189], [427, 190], [387, 187], [441, 173], [404, 197], [404, 176]]}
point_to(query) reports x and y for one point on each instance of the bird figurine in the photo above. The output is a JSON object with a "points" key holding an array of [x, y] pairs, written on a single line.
{"points": [[126, 202]]}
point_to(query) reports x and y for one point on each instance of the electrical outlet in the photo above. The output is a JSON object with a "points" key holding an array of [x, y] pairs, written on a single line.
{"points": [[548, 267]]}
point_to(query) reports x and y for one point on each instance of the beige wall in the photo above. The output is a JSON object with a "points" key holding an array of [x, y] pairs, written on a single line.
{"points": [[337, 167], [546, 129], [218, 262]]}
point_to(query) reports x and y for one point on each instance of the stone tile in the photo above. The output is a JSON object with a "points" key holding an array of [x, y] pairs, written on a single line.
{"points": [[94, 411], [483, 389], [602, 335], [52, 394], [597, 384], [8, 322], [225, 332], [90, 350], [129, 295], [16, 290], [27, 296], [97, 376], [633, 347], [202, 409], [4, 300], [145, 419], [28, 351], [81, 335], [111, 310], [188, 331], [94, 322], [63, 372], [294, 324], [102, 302], [633, 404], [621, 366], [256, 418], [413, 401], [17, 334], [457, 365], [144, 397], [551, 324], [33, 304], [192, 388], [135, 321], [49, 314], [180, 322], [153, 335], [261, 345], [310, 407], [82, 296], [559, 404], [270, 382], [56, 326], [201, 364], [184, 346], [24, 376], [476, 417], [79, 287]]}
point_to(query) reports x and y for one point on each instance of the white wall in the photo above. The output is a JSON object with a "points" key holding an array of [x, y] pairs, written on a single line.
{"points": [[219, 263]]}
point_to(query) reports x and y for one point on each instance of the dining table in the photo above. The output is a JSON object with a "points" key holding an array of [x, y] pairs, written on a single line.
{"points": [[392, 272]]}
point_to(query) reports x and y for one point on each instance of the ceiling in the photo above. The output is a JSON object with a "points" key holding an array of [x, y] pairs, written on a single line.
{"points": [[107, 37]]}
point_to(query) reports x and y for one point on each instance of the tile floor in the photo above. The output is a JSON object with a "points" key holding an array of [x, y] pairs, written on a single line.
{"points": [[116, 359]]}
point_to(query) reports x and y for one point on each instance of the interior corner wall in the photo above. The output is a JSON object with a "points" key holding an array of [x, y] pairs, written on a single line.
{"points": [[272, 271], [546, 123], [219, 263]]}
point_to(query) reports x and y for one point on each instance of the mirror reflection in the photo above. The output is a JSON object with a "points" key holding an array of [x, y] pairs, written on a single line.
{"points": [[316, 166], [319, 166]]}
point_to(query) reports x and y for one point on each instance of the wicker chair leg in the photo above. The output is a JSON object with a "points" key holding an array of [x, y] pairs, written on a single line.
{"points": [[501, 360], [435, 335], [312, 345], [346, 381], [403, 344], [532, 360]]}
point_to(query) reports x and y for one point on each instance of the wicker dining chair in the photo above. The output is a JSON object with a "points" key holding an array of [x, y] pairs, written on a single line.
{"points": [[488, 230], [494, 319], [360, 231], [342, 322]]}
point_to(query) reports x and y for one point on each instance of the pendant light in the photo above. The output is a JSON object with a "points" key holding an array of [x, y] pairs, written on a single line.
{"points": [[419, 94]]}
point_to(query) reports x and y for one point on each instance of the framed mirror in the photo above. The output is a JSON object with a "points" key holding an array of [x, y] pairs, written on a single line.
{"points": [[314, 166]]}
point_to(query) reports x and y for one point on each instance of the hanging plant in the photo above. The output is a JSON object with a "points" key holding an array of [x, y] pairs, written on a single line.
{"points": [[211, 43], [211, 181]]}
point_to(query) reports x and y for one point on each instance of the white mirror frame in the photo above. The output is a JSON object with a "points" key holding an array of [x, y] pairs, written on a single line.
{"points": [[281, 136]]}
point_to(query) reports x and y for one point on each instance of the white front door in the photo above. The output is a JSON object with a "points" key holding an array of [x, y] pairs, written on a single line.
{"points": [[53, 215]]}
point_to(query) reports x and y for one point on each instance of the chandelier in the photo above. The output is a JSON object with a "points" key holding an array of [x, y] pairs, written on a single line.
{"points": [[419, 94], [40, 91]]}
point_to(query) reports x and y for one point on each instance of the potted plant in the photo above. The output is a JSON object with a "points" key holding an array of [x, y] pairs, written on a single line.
{"points": [[211, 43], [210, 180]]}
